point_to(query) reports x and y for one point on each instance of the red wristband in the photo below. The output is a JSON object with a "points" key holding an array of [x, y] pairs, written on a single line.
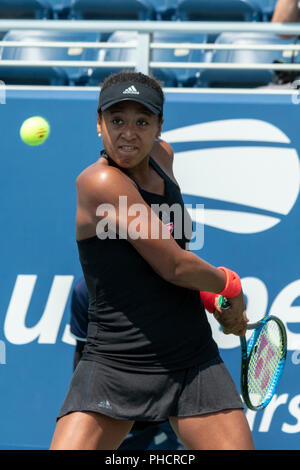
{"points": [[208, 300], [233, 284]]}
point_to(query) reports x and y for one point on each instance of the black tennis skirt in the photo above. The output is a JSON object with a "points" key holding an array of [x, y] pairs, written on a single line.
{"points": [[140, 396]]}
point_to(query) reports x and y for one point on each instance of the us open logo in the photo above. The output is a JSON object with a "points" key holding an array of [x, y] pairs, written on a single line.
{"points": [[257, 184]]}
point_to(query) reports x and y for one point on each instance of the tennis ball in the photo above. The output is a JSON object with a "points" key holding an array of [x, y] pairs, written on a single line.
{"points": [[35, 130]]}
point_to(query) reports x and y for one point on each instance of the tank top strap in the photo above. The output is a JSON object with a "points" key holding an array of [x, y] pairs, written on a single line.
{"points": [[152, 163], [160, 171]]}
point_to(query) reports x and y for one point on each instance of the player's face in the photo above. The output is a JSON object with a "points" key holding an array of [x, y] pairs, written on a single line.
{"points": [[128, 130]]}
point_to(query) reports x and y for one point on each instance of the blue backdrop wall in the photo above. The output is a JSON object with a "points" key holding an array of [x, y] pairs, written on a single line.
{"points": [[236, 159]]}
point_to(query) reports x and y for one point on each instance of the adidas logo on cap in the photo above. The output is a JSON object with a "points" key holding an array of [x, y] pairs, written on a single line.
{"points": [[105, 404], [131, 91]]}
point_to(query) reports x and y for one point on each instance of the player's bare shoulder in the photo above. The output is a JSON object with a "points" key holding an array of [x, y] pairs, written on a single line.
{"points": [[98, 182], [90, 173]]}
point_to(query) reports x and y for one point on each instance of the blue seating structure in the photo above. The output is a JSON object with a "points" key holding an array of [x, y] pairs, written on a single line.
{"points": [[244, 78], [218, 10], [113, 10], [25, 9], [165, 9], [186, 77], [180, 10], [47, 75], [267, 7], [60, 9], [169, 77]]}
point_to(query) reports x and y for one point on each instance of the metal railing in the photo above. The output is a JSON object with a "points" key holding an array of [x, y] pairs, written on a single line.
{"points": [[144, 44]]}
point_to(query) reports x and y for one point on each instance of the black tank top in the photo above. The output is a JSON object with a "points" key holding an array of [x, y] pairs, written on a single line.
{"points": [[137, 320]]}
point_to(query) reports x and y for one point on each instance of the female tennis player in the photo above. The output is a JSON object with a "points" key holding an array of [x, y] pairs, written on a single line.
{"points": [[149, 355]]}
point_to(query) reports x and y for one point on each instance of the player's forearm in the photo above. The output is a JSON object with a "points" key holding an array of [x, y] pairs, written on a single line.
{"points": [[192, 272]]}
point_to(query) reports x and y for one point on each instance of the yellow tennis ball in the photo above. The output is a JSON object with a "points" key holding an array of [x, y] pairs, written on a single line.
{"points": [[35, 130]]}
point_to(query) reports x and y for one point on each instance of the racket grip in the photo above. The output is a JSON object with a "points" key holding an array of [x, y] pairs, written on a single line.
{"points": [[223, 302]]}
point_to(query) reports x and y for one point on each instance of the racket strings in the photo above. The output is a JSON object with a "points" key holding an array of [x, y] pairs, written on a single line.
{"points": [[263, 367]]}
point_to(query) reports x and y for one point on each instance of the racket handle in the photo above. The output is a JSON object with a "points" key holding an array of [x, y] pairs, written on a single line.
{"points": [[223, 302]]}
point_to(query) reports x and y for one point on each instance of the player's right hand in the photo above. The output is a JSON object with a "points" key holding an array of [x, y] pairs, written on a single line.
{"points": [[234, 319]]}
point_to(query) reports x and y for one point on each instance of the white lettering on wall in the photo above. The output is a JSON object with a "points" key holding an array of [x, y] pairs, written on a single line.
{"points": [[47, 328]]}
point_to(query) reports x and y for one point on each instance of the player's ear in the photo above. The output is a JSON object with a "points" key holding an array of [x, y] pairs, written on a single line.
{"points": [[160, 124], [99, 126]]}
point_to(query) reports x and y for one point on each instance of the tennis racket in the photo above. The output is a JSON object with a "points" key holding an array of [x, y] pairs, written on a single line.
{"points": [[263, 359]]}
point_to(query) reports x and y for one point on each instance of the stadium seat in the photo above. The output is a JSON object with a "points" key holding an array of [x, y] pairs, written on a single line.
{"points": [[244, 78], [112, 10], [218, 10], [164, 9], [185, 77], [267, 8], [169, 77], [25, 9], [60, 9], [47, 75]]}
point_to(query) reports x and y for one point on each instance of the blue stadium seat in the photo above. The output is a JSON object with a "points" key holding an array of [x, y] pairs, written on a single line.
{"points": [[169, 77], [244, 78], [267, 7], [218, 10], [165, 9], [47, 75], [113, 10], [25, 9], [185, 77], [60, 9]]}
